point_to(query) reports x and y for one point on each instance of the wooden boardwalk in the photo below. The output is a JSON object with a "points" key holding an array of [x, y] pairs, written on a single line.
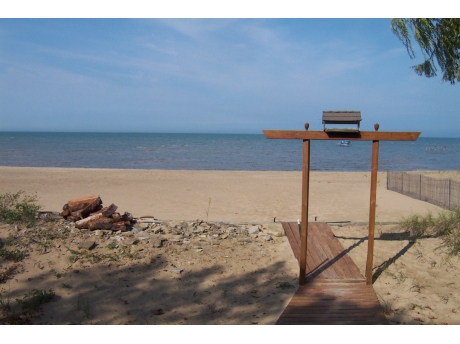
{"points": [[335, 292]]}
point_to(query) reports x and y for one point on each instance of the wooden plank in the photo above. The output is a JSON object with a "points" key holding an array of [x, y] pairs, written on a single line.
{"points": [[344, 262], [324, 246], [333, 303], [326, 257], [292, 239], [321, 135]]}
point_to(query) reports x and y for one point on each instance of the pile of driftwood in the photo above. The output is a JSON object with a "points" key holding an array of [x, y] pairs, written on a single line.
{"points": [[88, 212]]}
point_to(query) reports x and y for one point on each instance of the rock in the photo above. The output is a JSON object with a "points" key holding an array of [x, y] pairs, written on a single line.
{"points": [[224, 236], [267, 237], [142, 235], [253, 229], [86, 245], [86, 235], [142, 226], [98, 232], [199, 229], [157, 243], [273, 229], [231, 230], [177, 271], [129, 241], [74, 231]]}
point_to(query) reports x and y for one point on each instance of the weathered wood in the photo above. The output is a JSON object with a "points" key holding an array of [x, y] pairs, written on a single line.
{"points": [[81, 203], [340, 117], [304, 210], [321, 135], [92, 207], [373, 198], [84, 223], [127, 217], [333, 303], [119, 226], [326, 260], [108, 211], [116, 217]]}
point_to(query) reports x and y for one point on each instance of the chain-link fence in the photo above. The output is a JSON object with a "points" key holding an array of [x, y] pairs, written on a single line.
{"points": [[441, 192]]}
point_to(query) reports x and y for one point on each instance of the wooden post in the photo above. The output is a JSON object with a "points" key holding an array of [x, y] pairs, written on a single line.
{"points": [[370, 238], [304, 221]]}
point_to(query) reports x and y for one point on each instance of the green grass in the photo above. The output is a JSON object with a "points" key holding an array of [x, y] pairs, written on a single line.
{"points": [[112, 245], [8, 273], [33, 300], [446, 225], [84, 305], [18, 208], [15, 256]]}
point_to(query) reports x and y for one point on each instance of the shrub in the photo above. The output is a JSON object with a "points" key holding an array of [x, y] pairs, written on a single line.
{"points": [[17, 207]]}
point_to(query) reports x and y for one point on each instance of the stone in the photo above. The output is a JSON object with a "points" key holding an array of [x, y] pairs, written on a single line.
{"points": [[253, 230], [157, 243], [231, 230], [273, 229], [267, 237], [177, 271], [98, 232], [129, 241], [224, 236], [142, 235], [86, 245], [74, 231]]}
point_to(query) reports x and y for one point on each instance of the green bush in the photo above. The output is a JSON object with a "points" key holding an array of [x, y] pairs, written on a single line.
{"points": [[18, 207]]}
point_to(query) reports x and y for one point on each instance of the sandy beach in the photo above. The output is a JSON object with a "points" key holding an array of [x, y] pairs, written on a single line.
{"points": [[232, 281], [224, 195]]}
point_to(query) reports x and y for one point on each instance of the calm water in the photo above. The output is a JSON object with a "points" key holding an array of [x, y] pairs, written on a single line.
{"points": [[218, 152]]}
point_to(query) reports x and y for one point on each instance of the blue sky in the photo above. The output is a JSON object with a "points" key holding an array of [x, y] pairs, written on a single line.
{"points": [[213, 75]]}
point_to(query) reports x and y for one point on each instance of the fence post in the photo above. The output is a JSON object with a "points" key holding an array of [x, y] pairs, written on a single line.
{"points": [[420, 188], [449, 192]]}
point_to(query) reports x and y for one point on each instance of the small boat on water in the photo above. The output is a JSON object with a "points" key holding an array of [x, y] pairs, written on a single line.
{"points": [[344, 143]]}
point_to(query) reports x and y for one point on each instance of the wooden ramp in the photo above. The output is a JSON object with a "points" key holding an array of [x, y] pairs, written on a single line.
{"points": [[335, 292]]}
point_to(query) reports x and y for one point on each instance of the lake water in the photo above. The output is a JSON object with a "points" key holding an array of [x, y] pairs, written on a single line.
{"points": [[218, 152]]}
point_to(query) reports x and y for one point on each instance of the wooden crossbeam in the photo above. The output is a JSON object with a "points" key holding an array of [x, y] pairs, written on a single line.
{"points": [[322, 135]]}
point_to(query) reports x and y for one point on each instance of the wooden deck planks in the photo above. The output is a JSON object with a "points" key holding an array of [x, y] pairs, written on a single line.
{"points": [[326, 257], [335, 292]]}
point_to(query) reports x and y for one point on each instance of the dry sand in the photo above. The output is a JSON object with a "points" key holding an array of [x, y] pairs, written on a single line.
{"points": [[224, 195], [232, 283]]}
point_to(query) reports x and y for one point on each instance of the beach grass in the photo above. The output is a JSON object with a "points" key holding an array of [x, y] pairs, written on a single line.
{"points": [[446, 224]]}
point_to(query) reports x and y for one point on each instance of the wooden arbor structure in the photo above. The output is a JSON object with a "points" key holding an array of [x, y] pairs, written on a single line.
{"points": [[337, 134]]}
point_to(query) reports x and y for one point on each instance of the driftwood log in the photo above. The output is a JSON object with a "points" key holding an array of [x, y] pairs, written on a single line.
{"points": [[88, 213]]}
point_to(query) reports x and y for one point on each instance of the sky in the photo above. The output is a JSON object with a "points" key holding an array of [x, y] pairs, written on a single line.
{"points": [[214, 76]]}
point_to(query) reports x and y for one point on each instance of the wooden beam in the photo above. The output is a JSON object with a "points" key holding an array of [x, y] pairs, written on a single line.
{"points": [[304, 221], [372, 205], [322, 135]]}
